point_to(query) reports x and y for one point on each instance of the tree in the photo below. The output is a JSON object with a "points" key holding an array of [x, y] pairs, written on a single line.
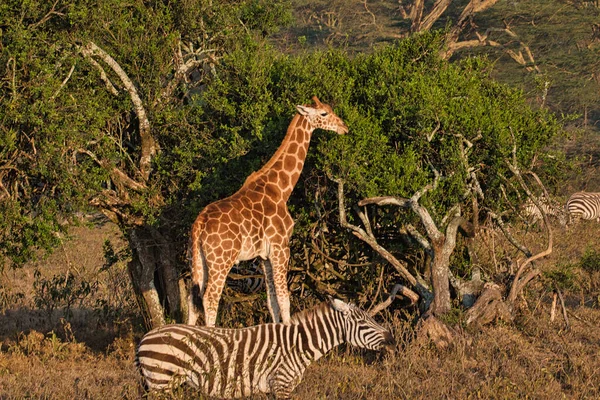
{"points": [[147, 112], [91, 96]]}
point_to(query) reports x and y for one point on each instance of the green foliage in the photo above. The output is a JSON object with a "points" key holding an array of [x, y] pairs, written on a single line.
{"points": [[61, 130], [590, 261], [563, 277], [60, 291], [409, 112]]}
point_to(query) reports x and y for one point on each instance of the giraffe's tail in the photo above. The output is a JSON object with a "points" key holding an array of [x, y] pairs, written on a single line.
{"points": [[195, 256]]}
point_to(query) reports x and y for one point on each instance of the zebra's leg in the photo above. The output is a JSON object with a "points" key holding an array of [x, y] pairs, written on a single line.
{"points": [[279, 258]]}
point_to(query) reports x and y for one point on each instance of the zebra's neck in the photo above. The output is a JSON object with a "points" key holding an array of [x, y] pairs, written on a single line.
{"points": [[320, 332]]}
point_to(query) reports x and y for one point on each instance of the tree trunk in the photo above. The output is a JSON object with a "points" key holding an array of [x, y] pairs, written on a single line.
{"points": [[154, 275], [440, 279]]}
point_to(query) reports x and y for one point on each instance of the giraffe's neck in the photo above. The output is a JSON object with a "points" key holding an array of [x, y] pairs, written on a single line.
{"points": [[285, 166]]}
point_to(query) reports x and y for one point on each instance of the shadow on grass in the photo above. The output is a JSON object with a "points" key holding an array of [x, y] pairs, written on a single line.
{"points": [[85, 326]]}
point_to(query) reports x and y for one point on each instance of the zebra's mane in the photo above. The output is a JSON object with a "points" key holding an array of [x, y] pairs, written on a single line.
{"points": [[308, 314]]}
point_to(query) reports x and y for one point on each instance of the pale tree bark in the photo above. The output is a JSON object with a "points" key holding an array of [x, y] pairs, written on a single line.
{"points": [[442, 245], [491, 305], [423, 20], [152, 254]]}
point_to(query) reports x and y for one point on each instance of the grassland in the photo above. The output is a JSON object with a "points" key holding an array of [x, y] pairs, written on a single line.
{"points": [[87, 352]]}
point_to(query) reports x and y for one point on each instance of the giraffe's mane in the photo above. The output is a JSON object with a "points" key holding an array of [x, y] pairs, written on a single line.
{"points": [[310, 313], [282, 147]]}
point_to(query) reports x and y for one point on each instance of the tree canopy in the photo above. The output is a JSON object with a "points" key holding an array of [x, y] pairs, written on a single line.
{"points": [[218, 97]]}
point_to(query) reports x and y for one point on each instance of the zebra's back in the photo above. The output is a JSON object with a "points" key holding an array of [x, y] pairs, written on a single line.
{"points": [[584, 205]]}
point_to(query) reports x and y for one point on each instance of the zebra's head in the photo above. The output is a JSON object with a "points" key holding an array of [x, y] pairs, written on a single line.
{"points": [[360, 329]]}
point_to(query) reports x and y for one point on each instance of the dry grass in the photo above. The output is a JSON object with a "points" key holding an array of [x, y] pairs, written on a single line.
{"points": [[91, 355]]}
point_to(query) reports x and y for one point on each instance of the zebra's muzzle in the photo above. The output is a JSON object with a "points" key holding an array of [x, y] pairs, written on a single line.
{"points": [[388, 341]]}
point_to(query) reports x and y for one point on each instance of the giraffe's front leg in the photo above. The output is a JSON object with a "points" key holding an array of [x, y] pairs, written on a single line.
{"points": [[279, 259]]}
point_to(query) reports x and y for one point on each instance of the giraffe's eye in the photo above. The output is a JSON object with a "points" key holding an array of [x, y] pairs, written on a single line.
{"points": [[323, 114]]}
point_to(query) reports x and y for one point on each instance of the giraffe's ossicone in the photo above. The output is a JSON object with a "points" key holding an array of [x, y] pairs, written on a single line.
{"points": [[255, 222]]}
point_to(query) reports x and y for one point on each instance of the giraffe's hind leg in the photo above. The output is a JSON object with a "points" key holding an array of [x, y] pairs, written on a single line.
{"points": [[279, 297], [272, 302], [217, 275]]}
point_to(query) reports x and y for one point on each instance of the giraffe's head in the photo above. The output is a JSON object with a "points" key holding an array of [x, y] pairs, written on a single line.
{"points": [[322, 116]]}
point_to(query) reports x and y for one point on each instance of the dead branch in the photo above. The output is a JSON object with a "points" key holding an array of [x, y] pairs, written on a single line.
{"points": [[111, 88], [508, 235], [64, 82], [453, 45], [435, 13], [431, 328], [184, 68], [149, 145], [488, 307], [518, 284], [370, 240], [564, 309], [398, 289], [46, 17]]}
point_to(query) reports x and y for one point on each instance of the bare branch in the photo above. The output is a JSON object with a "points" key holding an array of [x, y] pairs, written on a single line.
{"points": [[149, 145], [111, 88], [434, 14], [64, 82], [398, 289], [363, 235], [420, 239], [47, 16], [508, 235]]}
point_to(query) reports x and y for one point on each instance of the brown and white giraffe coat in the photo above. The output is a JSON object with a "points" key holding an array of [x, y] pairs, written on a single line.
{"points": [[255, 222]]}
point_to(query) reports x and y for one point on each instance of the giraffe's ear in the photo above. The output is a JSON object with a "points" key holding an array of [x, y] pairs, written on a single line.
{"points": [[305, 110], [339, 305]]}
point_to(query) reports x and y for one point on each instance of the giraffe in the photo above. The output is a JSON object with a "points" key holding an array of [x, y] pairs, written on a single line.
{"points": [[255, 221]]}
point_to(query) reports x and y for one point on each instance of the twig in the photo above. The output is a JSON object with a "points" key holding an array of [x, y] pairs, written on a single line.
{"points": [[361, 234], [111, 88], [47, 16], [403, 290], [564, 309], [64, 82], [14, 71], [339, 262], [508, 235], [553, 307], [379, 286]]}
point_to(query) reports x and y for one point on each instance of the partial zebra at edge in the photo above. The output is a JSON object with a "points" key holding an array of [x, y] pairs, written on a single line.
{"points": [[550, 207], [268, 358], [584, 205]]}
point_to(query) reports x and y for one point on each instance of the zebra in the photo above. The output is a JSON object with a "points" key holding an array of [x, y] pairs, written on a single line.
{"points": [[551, 208], [268, 358], [584, 205], [250, 279]]}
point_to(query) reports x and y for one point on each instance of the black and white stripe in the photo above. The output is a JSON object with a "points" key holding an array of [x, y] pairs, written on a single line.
{"points": [[584, 205], [250, 278], [269, 358], [551, 208]]}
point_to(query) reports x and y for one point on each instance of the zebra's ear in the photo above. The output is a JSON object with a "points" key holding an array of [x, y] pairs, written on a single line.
{"points": [[339, 305]]}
